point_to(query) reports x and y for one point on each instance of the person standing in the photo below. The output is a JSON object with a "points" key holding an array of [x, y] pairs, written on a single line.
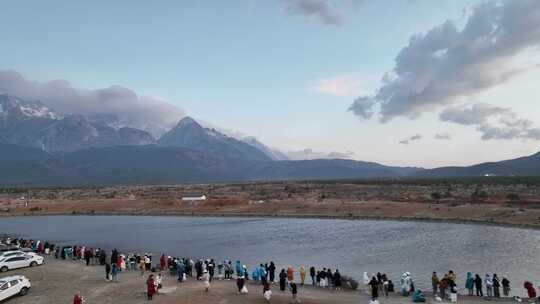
{"points": [[290, 274], [531, 292], [272, 272], [159, 282], [496, 286], [240, 276], [142, 266], [469, 283], [206, 280], [267, 293], [107, 271], [180, 271], [312, 274], [322, 275], [263, 273], [489, 285], [374, 284], [337, 280], [77, 299], [330, 278], [162, 262], [150, 287], [282, 280], [302, 275], [435, 283], [443, 285], [294, 292], [114, 272], [506, 286], [114, 256], [478, 285]]}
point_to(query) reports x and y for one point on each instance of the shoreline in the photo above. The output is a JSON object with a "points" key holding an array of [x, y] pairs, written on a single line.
{"points": [[73, 276], [292, 216]]}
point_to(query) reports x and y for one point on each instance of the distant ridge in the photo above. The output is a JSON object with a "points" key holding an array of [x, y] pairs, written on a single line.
{"points": [[523, 166], [39, 147], [153, 164]]}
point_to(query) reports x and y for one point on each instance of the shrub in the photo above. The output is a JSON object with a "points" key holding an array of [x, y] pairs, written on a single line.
{"points": [[513, 197]]}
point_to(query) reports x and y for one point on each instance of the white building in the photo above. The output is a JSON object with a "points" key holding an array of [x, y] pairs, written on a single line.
{"points": [[194, 197]]}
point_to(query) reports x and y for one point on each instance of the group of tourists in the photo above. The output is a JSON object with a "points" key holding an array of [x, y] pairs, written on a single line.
{"points": [[265, 275], [379, 284]]}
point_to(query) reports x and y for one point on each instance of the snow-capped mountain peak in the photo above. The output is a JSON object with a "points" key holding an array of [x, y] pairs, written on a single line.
{"points": [[11, 105]]}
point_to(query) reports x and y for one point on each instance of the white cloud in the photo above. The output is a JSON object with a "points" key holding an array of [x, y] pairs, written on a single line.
{"points": [[447, 63], [491, 121], [152, 114]]}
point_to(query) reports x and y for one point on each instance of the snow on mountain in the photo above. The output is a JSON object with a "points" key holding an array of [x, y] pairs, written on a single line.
{"points": [[12, 105]]}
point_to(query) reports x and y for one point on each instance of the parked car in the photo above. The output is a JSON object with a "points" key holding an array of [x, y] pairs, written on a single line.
{"points": [[13, 285], [20, 261], [5, 247], [18, 252]]}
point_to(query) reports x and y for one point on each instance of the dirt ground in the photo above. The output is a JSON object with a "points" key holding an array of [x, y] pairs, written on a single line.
{"points": [[470, 213], [57, 281], [487, 202]]}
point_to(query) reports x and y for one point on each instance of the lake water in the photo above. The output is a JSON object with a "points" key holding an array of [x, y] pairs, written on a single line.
{"points": [[390, 247]]}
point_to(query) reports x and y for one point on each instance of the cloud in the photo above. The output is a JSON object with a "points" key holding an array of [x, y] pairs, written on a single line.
{"points": [[443, 136], [347, 85], [408, 140], [311, 154], [447, 63], [152, 114], [491, 121], [476, 114], [319, 9]]}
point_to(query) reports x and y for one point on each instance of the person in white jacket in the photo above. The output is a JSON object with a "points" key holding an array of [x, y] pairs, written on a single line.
{"points": [[206, 280], [406, 282], [366, 282], [489, 285]]}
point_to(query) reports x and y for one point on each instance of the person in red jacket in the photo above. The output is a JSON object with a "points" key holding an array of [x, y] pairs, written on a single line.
{"points": [[162, 262], [150, 287], [531, 292], [77, 299]]}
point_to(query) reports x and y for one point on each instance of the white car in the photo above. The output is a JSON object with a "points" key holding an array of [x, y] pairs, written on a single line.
{"points": [[12, 286], [20, 261], [9, 253]]}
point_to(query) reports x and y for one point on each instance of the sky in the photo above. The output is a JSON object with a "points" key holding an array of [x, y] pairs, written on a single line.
{"points": [[405, 82]]}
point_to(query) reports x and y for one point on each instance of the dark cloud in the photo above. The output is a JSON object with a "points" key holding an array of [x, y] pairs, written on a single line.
{"points": [[440, 67], [320, 9], [149, 113], [492, 122], [363, 107], [408, 140], [443, 136]]}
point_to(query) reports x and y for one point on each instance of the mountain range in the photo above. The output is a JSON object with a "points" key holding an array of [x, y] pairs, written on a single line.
{"points": [[39, 147]]}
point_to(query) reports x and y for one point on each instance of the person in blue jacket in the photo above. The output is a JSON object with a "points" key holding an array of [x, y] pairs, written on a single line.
{"points": [[418, 296], [240, 276]]}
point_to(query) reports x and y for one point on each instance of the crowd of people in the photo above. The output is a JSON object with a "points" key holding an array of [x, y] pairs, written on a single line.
{"points": [[265, 274]]}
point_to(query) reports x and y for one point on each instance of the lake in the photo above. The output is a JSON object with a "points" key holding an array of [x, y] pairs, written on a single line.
{"points": [[353, 246]]}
